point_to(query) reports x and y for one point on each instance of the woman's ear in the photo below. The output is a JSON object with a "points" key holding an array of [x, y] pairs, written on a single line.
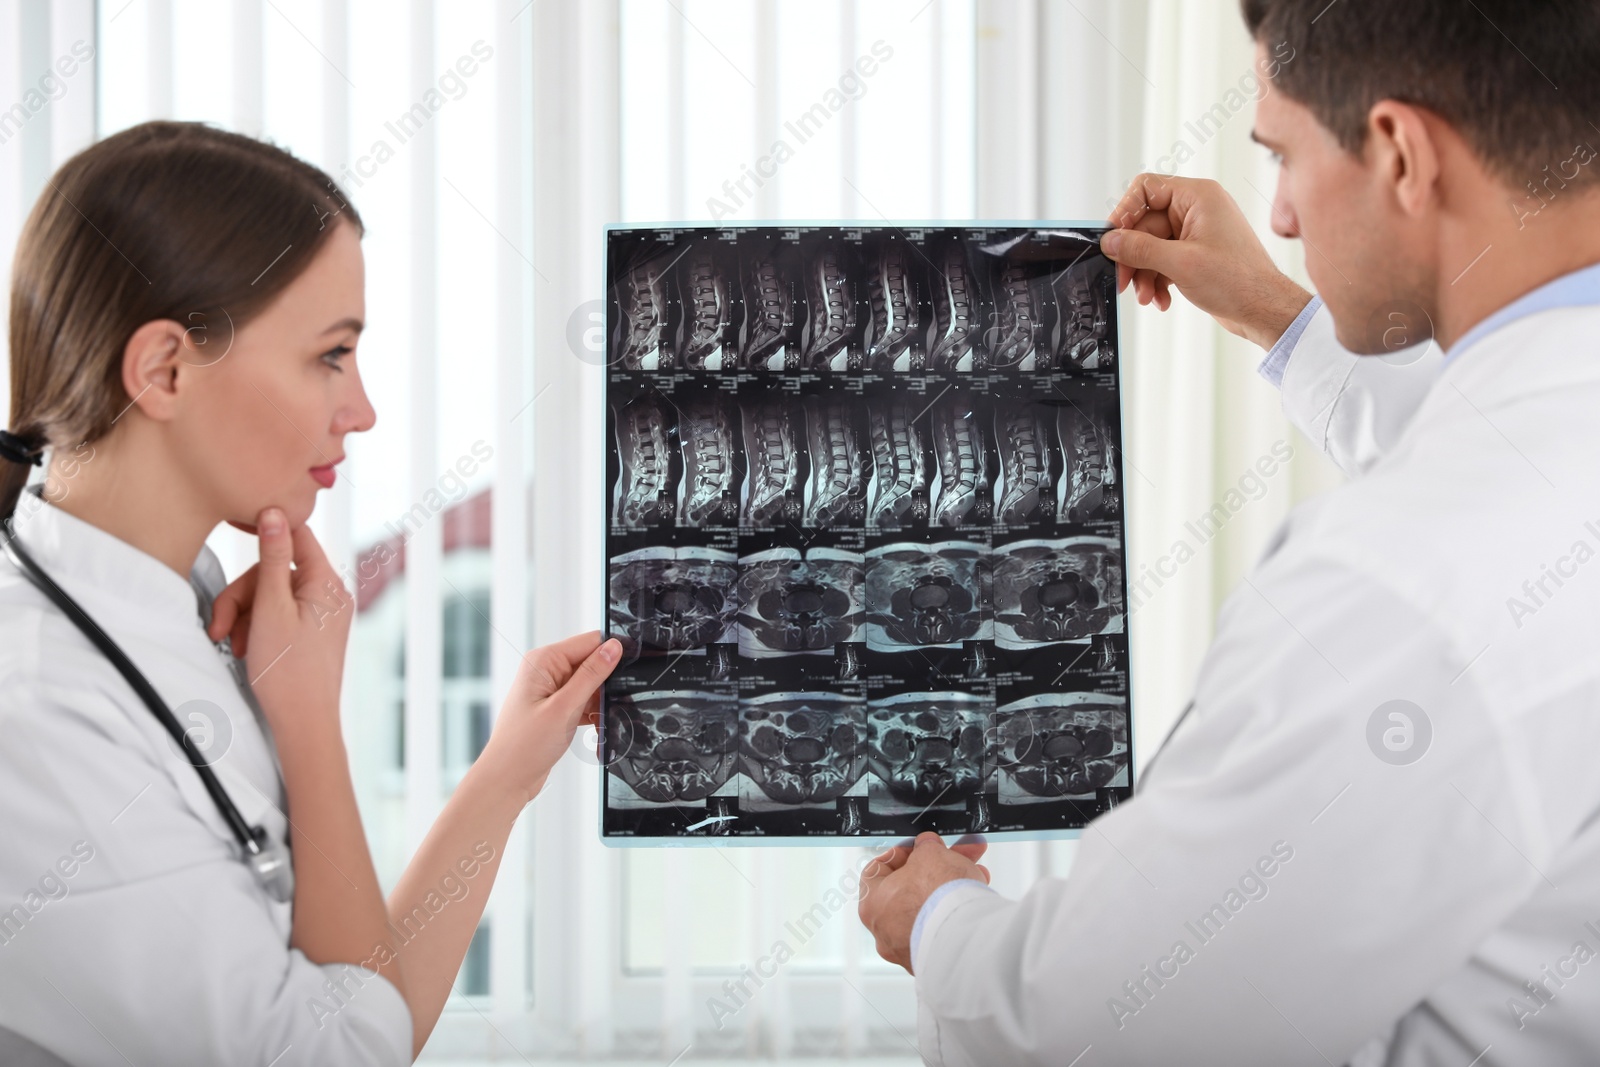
{"points": [[151, 361]]}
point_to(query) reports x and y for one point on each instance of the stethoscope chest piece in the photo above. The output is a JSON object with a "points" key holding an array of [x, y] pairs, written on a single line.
{"points": [[268, 860]]}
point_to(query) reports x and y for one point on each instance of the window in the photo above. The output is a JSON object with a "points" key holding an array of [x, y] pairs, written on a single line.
{"points": [[474, 979]]}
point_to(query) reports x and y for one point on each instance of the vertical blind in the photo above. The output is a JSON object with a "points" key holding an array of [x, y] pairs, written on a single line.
{"points": [[485, 144]]}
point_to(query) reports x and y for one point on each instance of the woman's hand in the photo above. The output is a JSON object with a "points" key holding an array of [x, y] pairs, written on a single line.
{"points": [[289, 617], [556, 689]]}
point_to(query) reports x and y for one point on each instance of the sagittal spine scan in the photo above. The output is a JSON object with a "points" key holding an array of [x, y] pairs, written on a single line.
{"points": [[776, 463], [901, 458], [838, 491], [709, 429], [708, 319], [864, 533], [899, 313]]}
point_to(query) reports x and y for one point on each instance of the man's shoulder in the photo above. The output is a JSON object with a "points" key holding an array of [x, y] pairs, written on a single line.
{"points": [[1485, 519]]}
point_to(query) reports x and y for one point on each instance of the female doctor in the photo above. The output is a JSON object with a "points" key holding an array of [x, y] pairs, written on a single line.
{"points": [[185, 309]]}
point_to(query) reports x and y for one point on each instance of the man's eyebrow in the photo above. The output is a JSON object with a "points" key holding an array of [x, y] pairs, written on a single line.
{"points": [[345, 324]]}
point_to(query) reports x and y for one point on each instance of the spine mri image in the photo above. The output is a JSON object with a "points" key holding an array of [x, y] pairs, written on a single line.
{"points": [[864, 534]]}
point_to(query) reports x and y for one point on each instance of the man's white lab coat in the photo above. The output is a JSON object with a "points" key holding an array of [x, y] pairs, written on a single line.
{"points": [[129, 930], [1313, 873]]}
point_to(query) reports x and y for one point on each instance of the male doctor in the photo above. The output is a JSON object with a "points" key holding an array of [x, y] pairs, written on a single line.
{"points": [[1374, 837]]}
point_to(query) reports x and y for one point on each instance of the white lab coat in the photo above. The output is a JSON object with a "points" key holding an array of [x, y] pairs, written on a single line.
{"points": [[1276, 893], [129, 930]]}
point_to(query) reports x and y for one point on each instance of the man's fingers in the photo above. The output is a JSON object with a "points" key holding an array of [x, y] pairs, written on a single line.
{"points": [[882, 866], [872, 879], [1152, 286], [891, 860], [973, 850], [1156, 224], [926, 845], [1147, 283], [1146, 193], [1140, 250]]}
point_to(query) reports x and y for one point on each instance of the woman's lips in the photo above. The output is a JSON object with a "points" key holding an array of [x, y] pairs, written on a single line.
{"points": [[323, 475]]}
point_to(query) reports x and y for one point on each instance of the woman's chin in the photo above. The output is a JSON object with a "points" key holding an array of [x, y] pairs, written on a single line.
{"points": [[297, 510]]}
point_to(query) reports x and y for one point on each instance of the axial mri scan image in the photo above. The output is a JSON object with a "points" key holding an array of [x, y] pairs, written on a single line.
{"points": [[672, 745]]}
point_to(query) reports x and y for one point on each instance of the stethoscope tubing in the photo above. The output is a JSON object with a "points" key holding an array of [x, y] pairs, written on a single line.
{"points": [[246, 835]]}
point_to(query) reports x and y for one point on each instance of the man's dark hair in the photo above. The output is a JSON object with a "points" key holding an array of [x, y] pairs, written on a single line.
{"points": [[1520, 79]]}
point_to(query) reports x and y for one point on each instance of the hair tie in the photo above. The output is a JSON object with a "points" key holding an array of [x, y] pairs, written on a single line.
{"points": [[17, 450]]}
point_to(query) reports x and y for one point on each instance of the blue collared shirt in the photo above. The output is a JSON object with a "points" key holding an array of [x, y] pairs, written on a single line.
{"points": [[1278, 358], [1578, 288], [933, 902]]}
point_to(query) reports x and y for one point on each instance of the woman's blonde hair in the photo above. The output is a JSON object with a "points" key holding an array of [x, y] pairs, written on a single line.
{"points": [[165, 220]]}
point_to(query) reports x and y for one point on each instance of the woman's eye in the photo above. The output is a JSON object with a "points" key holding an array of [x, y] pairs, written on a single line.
{"points": [[332, 357]]}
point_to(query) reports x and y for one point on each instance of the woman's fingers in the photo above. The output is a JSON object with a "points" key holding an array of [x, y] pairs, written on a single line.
{"points": [[591, 711], [579, 690], [549, 667], [274, 582], [239, 638], [311, 567], [231, 604], [568, 653]]}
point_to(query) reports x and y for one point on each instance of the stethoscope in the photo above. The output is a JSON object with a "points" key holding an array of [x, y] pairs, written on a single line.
{"points": [[267, 859]]}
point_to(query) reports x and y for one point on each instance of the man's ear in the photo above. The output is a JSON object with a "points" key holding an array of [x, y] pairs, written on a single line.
{"points": [[151, 361], [1401, 141]]}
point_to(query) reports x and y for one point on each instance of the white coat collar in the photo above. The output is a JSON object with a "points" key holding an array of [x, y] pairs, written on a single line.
{"points": [[65, 545]]}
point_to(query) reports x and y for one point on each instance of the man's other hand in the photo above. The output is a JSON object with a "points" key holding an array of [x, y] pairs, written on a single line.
{"points": [[1189, 233], [895, 884]]}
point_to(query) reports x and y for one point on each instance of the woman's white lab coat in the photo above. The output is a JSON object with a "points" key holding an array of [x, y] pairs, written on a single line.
{"points": [[129, 929], [1375, 837]]}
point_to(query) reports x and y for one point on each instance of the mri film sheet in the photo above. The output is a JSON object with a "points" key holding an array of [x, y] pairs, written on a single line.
{"points": [[864, 542]]}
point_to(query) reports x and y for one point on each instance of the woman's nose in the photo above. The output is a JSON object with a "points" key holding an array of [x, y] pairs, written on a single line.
{"points": [[357, 415]]}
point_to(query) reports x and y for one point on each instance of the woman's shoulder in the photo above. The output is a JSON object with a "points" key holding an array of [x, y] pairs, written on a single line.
{"points": [[50, 670], [23, 618]]}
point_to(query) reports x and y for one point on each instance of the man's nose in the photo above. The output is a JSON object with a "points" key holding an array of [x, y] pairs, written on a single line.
{"points": [[1284, 221]]}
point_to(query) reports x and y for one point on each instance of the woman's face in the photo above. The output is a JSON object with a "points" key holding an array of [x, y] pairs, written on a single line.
{"points": [[267, 419]]}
